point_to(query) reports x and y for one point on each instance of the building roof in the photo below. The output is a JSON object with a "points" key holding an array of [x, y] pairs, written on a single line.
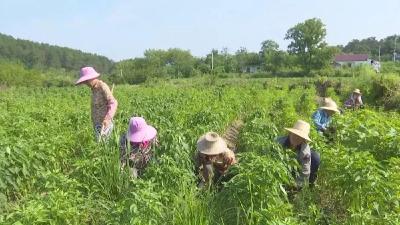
{"points": [[351, 57]]}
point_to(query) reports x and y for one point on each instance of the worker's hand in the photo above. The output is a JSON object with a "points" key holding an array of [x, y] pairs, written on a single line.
{"points": [[122, 166], [105, 124], [332, 130], [229, 158]]}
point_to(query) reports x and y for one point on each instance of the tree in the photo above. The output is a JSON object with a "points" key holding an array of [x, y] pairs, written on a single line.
{"points": [[275, 61], [245, 58], [387, 47], [156, 63], [366, 46], [181, 62], [323, 58], [307, 41], [132, 71], [229, 61], [45, 56], [268, 46], [272, 58]]}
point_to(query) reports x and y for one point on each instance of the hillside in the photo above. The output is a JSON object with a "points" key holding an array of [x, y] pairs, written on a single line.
{"points": [[44, 56]]}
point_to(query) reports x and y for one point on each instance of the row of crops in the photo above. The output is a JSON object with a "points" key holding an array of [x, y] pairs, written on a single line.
{"points": [[52, 171]]}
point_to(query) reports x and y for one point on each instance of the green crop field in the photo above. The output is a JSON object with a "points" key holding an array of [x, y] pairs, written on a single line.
{"points": [[53, 172]]}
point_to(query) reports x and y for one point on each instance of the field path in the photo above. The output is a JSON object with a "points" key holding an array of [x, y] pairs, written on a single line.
{"points": [[231, 134]]}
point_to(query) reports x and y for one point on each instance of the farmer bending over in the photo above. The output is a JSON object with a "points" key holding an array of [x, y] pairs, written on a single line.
{"points": [[355, 100], [213, 158], [140, 139], [104, 104], [323, 116], [309, 159]]}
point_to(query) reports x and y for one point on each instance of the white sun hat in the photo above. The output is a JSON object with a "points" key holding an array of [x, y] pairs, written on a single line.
{"points": [[211, 144], [330, 105], [301, 129]]}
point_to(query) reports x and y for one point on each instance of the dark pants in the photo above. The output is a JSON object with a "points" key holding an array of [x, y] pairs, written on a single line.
{"points": [[315, 161]]}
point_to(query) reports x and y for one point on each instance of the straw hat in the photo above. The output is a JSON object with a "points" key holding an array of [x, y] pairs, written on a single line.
{"points": [[211, 144], [320, 100], [140, 131], [301, 129], [357, 91], [330, 105], [87, 73]]}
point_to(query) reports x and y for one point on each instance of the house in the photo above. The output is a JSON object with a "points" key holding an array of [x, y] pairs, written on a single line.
{"points": [[250, 69], [352, 60]]}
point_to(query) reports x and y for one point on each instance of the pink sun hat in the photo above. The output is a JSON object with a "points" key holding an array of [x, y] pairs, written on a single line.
{"points": [[87, 73], [139, 131]]}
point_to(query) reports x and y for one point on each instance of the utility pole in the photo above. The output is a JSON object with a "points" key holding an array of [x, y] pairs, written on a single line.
{"points": [[379, 53], [394, 50], [212, 60]]}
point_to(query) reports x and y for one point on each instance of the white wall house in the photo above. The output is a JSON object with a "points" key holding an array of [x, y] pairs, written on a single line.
{"points": [[250, 69], [352, 60]]}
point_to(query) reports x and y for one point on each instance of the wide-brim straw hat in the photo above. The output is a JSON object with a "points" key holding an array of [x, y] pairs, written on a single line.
{"points": [[321, 100], [330, 105], [139, 131], [87, 73], [211, 144], [301, 129], [357, 91]]}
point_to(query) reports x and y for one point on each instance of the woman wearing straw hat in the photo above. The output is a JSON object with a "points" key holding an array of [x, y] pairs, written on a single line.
{"points": [[141, 138], [323, 116], [213, 158], [355, 100], [297, 140], [104, 105]]}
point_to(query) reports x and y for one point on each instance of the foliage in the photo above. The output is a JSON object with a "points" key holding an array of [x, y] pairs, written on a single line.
{"points": [[44, 56], [308, 43], [52, 171], [371, 46], [387, 91], [391, 67], [15, 74]]}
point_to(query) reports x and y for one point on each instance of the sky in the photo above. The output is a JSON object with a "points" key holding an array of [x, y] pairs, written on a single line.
{"points": [[122, 29]]}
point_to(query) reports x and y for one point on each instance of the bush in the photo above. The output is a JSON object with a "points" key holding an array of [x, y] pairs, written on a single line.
{"points": [[15, 74], [387, 91], [390, 67]]}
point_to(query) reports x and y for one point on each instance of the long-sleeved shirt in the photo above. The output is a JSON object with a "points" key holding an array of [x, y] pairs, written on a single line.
{"points": [[140, 153], [104, 105], [353, 101], [321, 119], [218, 162], [303, 156]]}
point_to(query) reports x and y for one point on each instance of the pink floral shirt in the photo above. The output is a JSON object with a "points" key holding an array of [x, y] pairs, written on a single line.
{"points": [[104, 105], [353, 101]]}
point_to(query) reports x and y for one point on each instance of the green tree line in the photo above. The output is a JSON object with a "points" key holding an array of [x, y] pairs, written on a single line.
{"points": [[307, 54], [371, 46], [44, 56]]}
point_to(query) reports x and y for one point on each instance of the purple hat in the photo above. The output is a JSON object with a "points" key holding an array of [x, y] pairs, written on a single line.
{"points": [[139, 131], [87, 73]]}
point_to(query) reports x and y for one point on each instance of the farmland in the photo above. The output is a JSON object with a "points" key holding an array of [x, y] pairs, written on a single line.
{"points": [[53, 172]]}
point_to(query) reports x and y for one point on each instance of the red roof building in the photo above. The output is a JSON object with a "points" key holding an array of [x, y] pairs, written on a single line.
{"points": [[352, 58]]}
